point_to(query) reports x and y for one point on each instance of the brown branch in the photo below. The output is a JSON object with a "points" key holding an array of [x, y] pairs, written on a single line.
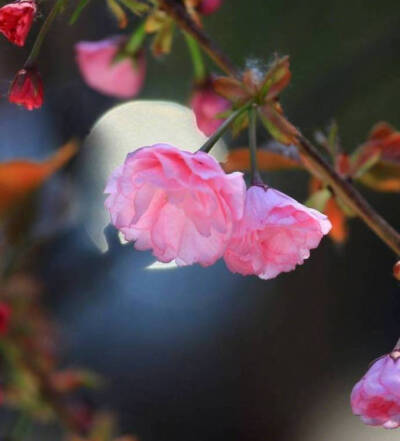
{"points": [[344, 189]]}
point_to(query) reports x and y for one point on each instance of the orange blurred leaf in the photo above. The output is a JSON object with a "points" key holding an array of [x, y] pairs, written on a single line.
{"points": [[239, 159], [231, 89], [19, 178], [339, 231], [383, 177], [333, 210]]}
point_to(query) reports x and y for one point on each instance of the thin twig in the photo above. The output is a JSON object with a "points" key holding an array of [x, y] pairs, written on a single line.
{"points": [[177, 11]]}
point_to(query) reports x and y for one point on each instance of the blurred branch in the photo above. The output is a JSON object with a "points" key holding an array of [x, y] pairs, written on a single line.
{"points": [[315, 163], [177, 11]]}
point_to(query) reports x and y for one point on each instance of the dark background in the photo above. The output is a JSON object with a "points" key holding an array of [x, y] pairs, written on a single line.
{"points": [[201, 354]]}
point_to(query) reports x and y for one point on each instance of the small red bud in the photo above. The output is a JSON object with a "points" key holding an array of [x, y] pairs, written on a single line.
{"points": [[27, 89], [208, 7], [5, 313], [343, 164], [396, 270]]}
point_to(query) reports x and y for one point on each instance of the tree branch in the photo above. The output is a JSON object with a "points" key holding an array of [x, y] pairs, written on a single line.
{"points": [[177, 11], [314, 161]]}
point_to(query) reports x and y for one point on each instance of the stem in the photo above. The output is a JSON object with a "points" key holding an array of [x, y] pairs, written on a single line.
{"points": [[199, 69], [341, 186], [43, 31], [255, 178], [209, 144], [177, 11], [136, 39]]}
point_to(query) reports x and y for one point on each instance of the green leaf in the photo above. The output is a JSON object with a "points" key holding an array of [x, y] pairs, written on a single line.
{"points": [[137, 7], [118, 13], [319, 199], [383, 176], [78, 10], [240, 123]]}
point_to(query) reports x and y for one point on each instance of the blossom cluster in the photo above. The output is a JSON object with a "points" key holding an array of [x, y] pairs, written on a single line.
{"points": [[186, 209]]}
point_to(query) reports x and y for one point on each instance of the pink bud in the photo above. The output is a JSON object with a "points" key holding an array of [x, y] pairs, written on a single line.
{"points": [[208, 7], [206, 105], [16, 20], [376, 397], [121, 78]]}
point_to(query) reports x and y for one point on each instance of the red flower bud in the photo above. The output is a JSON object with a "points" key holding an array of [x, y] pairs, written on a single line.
{"points": [[396, 270], [16, 20], [208, 7], [27, 89], [5, 313]]}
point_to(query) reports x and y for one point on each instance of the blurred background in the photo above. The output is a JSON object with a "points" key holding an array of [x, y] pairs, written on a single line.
{"points": [[199, 354]]}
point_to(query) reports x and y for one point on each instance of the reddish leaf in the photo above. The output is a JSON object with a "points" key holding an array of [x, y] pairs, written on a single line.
{"points": [[276, 79], [339, 231], [250, 81], [381, 130], [377, 162], [277, 125], [71, 379], [21, 177], [239, 159], [342, 164], [383, 177], [231, 89]]}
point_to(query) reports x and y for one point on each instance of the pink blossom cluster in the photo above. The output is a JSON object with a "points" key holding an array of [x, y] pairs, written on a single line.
{"points": [[186, 209]]}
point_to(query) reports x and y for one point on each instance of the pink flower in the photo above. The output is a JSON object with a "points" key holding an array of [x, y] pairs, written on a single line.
{"points": [[27, 89], [376, 397], [16, 20], [179, 204], [208, 7], [121, 78], [275, 234], [206, 105]]}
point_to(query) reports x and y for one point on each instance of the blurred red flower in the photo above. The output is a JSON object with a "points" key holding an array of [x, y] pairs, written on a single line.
{"points": [[27, 89]]}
